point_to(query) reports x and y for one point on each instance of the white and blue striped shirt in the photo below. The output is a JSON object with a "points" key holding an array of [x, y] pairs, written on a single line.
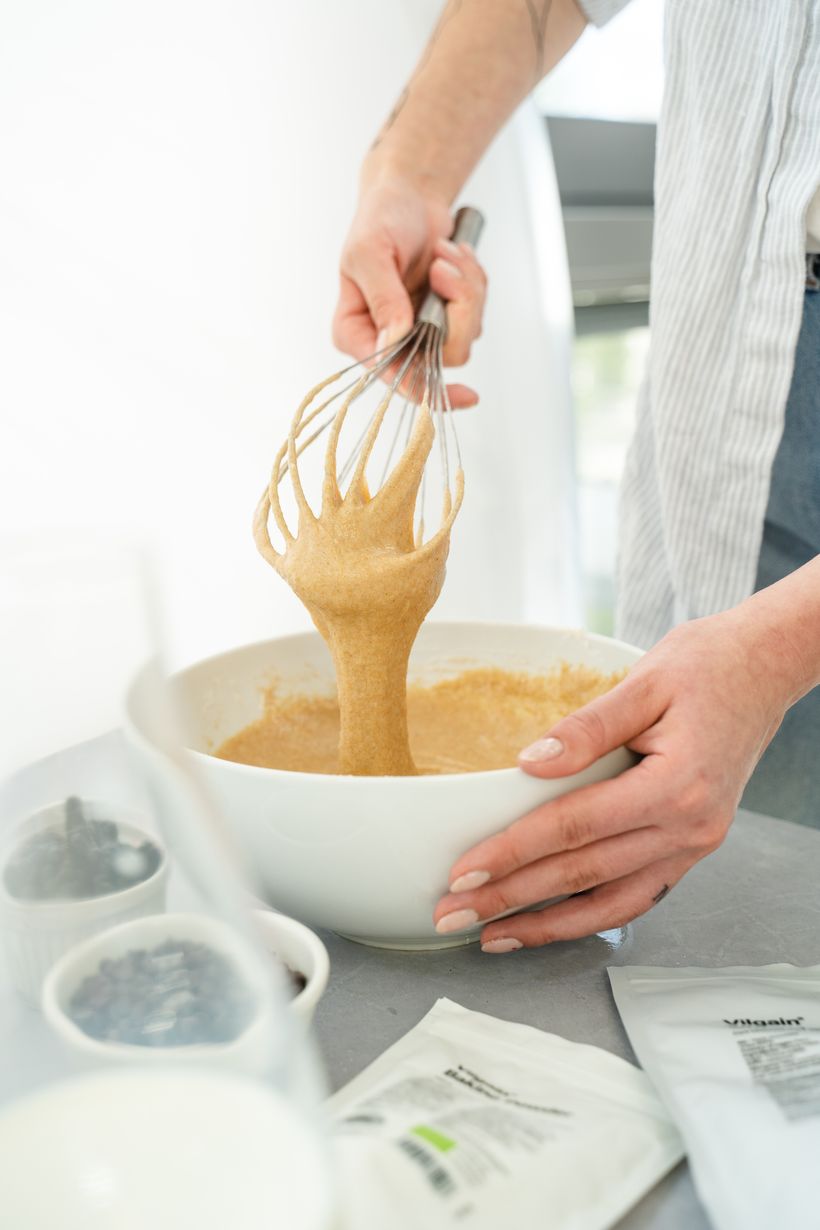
{"points": [[738, 163]]}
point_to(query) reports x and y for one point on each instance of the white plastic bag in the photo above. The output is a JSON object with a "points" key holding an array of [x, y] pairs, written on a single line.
{"points": [[477, 1122], [735, 1054]]}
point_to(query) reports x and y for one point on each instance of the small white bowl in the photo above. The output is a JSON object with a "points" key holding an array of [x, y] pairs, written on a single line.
{"points": [[36, 933], [252, 1052], [301, 949]]}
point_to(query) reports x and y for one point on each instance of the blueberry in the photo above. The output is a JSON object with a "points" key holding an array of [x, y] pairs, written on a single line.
{"points": [[36, 868], [179, 993], [104, 832]]}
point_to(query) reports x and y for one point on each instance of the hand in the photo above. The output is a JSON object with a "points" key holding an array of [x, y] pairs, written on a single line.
{"points": [[700, 708], [398, 241]]}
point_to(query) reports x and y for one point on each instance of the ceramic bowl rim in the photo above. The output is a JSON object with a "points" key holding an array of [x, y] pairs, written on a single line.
{"points": [[278, 923], [346, 781]]}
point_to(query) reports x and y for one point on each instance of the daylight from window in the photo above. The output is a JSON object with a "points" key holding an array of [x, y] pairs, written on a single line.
{"points": [[612, 73]]}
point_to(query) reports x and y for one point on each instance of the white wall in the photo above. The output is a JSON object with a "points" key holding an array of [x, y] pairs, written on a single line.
{"points": [[176, 181]]}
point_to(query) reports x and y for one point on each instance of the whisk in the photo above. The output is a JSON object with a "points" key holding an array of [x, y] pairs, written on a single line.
{"points": [[361, 563], [410, 368]]}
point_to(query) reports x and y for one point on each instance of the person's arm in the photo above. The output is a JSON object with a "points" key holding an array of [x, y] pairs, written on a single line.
{"points": [[482, 59], [700, 708]]}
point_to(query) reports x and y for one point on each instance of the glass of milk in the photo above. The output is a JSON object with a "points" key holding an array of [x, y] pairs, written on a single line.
{"points": [[154, 1073]]}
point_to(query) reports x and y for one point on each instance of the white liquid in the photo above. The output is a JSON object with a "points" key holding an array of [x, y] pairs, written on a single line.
{"points": [[172, 1150]]}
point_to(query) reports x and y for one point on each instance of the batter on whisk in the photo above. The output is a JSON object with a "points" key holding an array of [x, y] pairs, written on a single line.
{"points": [[368, 584], [368, 575], [361, 565]]}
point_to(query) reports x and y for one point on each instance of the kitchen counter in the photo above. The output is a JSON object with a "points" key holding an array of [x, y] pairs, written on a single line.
{"points": [[753, 902]]}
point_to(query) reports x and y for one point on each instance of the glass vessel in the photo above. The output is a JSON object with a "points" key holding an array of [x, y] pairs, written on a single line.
{"points": [[156, 1069]]}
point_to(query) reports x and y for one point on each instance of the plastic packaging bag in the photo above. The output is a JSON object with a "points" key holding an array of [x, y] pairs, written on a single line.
{"points": [[735, 1054], [477, 1122]]}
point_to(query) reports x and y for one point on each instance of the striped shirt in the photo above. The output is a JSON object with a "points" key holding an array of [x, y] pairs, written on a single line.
{"points": [[738, 163]]}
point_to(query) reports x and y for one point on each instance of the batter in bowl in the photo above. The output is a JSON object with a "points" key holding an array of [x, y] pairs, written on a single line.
{"points": [[476, 720]]}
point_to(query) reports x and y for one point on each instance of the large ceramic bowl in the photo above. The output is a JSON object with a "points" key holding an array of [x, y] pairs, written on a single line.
{"points": [[366, 857]]}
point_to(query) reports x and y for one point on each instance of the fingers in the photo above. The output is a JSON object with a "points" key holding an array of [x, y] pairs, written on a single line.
{"points": [[456, 275], [587, 815], [613, 720], [573, 871], [354, 332], [374, 307], [613, 904], [461, 397]]}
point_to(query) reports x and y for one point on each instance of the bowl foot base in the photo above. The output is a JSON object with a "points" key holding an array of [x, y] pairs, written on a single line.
{"points": [[431, 945]]}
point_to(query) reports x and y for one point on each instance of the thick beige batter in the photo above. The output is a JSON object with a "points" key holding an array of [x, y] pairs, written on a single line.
{"points": [[477, 720], [368, 586]]}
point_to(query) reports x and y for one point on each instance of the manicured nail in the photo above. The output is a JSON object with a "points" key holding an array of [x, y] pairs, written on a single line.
{"points": [[469, 881], [502, 945], [542, 749], [450, 268], [458, 920]]}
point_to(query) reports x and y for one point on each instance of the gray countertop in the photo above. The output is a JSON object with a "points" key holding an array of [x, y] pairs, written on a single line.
{"points": [[754, 901]]}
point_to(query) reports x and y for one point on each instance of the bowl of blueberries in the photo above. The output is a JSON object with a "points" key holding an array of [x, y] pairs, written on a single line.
{"points": [[176, 987], [69, 871]]}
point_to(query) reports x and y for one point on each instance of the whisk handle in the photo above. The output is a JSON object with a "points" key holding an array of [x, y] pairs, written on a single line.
{"points": [[468, 228], [469, 223]]}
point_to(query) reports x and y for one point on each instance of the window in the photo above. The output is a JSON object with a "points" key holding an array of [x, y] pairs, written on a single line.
{"points": [[601, 105], [608, 362], [612, 73]]}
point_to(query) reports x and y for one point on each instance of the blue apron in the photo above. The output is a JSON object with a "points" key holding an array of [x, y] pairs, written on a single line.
{"points": [[786, 783]]}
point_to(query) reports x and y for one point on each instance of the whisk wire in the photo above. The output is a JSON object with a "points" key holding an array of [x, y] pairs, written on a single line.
{"points": [[364, 447], [411, 367]]}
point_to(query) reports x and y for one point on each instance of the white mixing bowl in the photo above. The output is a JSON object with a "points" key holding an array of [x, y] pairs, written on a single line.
{"points": [[366, 857]]}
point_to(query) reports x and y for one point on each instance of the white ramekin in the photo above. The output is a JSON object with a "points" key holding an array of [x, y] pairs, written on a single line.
{"points": [[252, 1052], [36, 933], [300, 948]]}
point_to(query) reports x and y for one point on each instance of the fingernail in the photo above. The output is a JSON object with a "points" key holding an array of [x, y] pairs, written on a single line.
{"points": [[449, 246], [456, 921], [542, 749], [502, 945], [469, 881], [388, 335], [450, 268]]}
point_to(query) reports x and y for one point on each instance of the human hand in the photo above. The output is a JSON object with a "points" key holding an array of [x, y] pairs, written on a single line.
{"points": [[396, 245], [700, 708]]}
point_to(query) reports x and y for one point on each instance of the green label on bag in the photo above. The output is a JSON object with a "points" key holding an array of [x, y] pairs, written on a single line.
{"points": [[434, 1138]]}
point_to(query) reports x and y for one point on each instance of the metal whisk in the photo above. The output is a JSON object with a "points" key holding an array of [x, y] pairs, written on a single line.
{"points": [[405, 376]]}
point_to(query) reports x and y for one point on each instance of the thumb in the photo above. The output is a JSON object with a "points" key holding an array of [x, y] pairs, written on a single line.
{"points": [[377, 275], [603, 725]]}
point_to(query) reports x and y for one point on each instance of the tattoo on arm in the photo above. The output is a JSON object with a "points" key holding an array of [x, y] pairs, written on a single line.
{"points": [[450, 10], [393, 116], [539, 11], [660, 894]]}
